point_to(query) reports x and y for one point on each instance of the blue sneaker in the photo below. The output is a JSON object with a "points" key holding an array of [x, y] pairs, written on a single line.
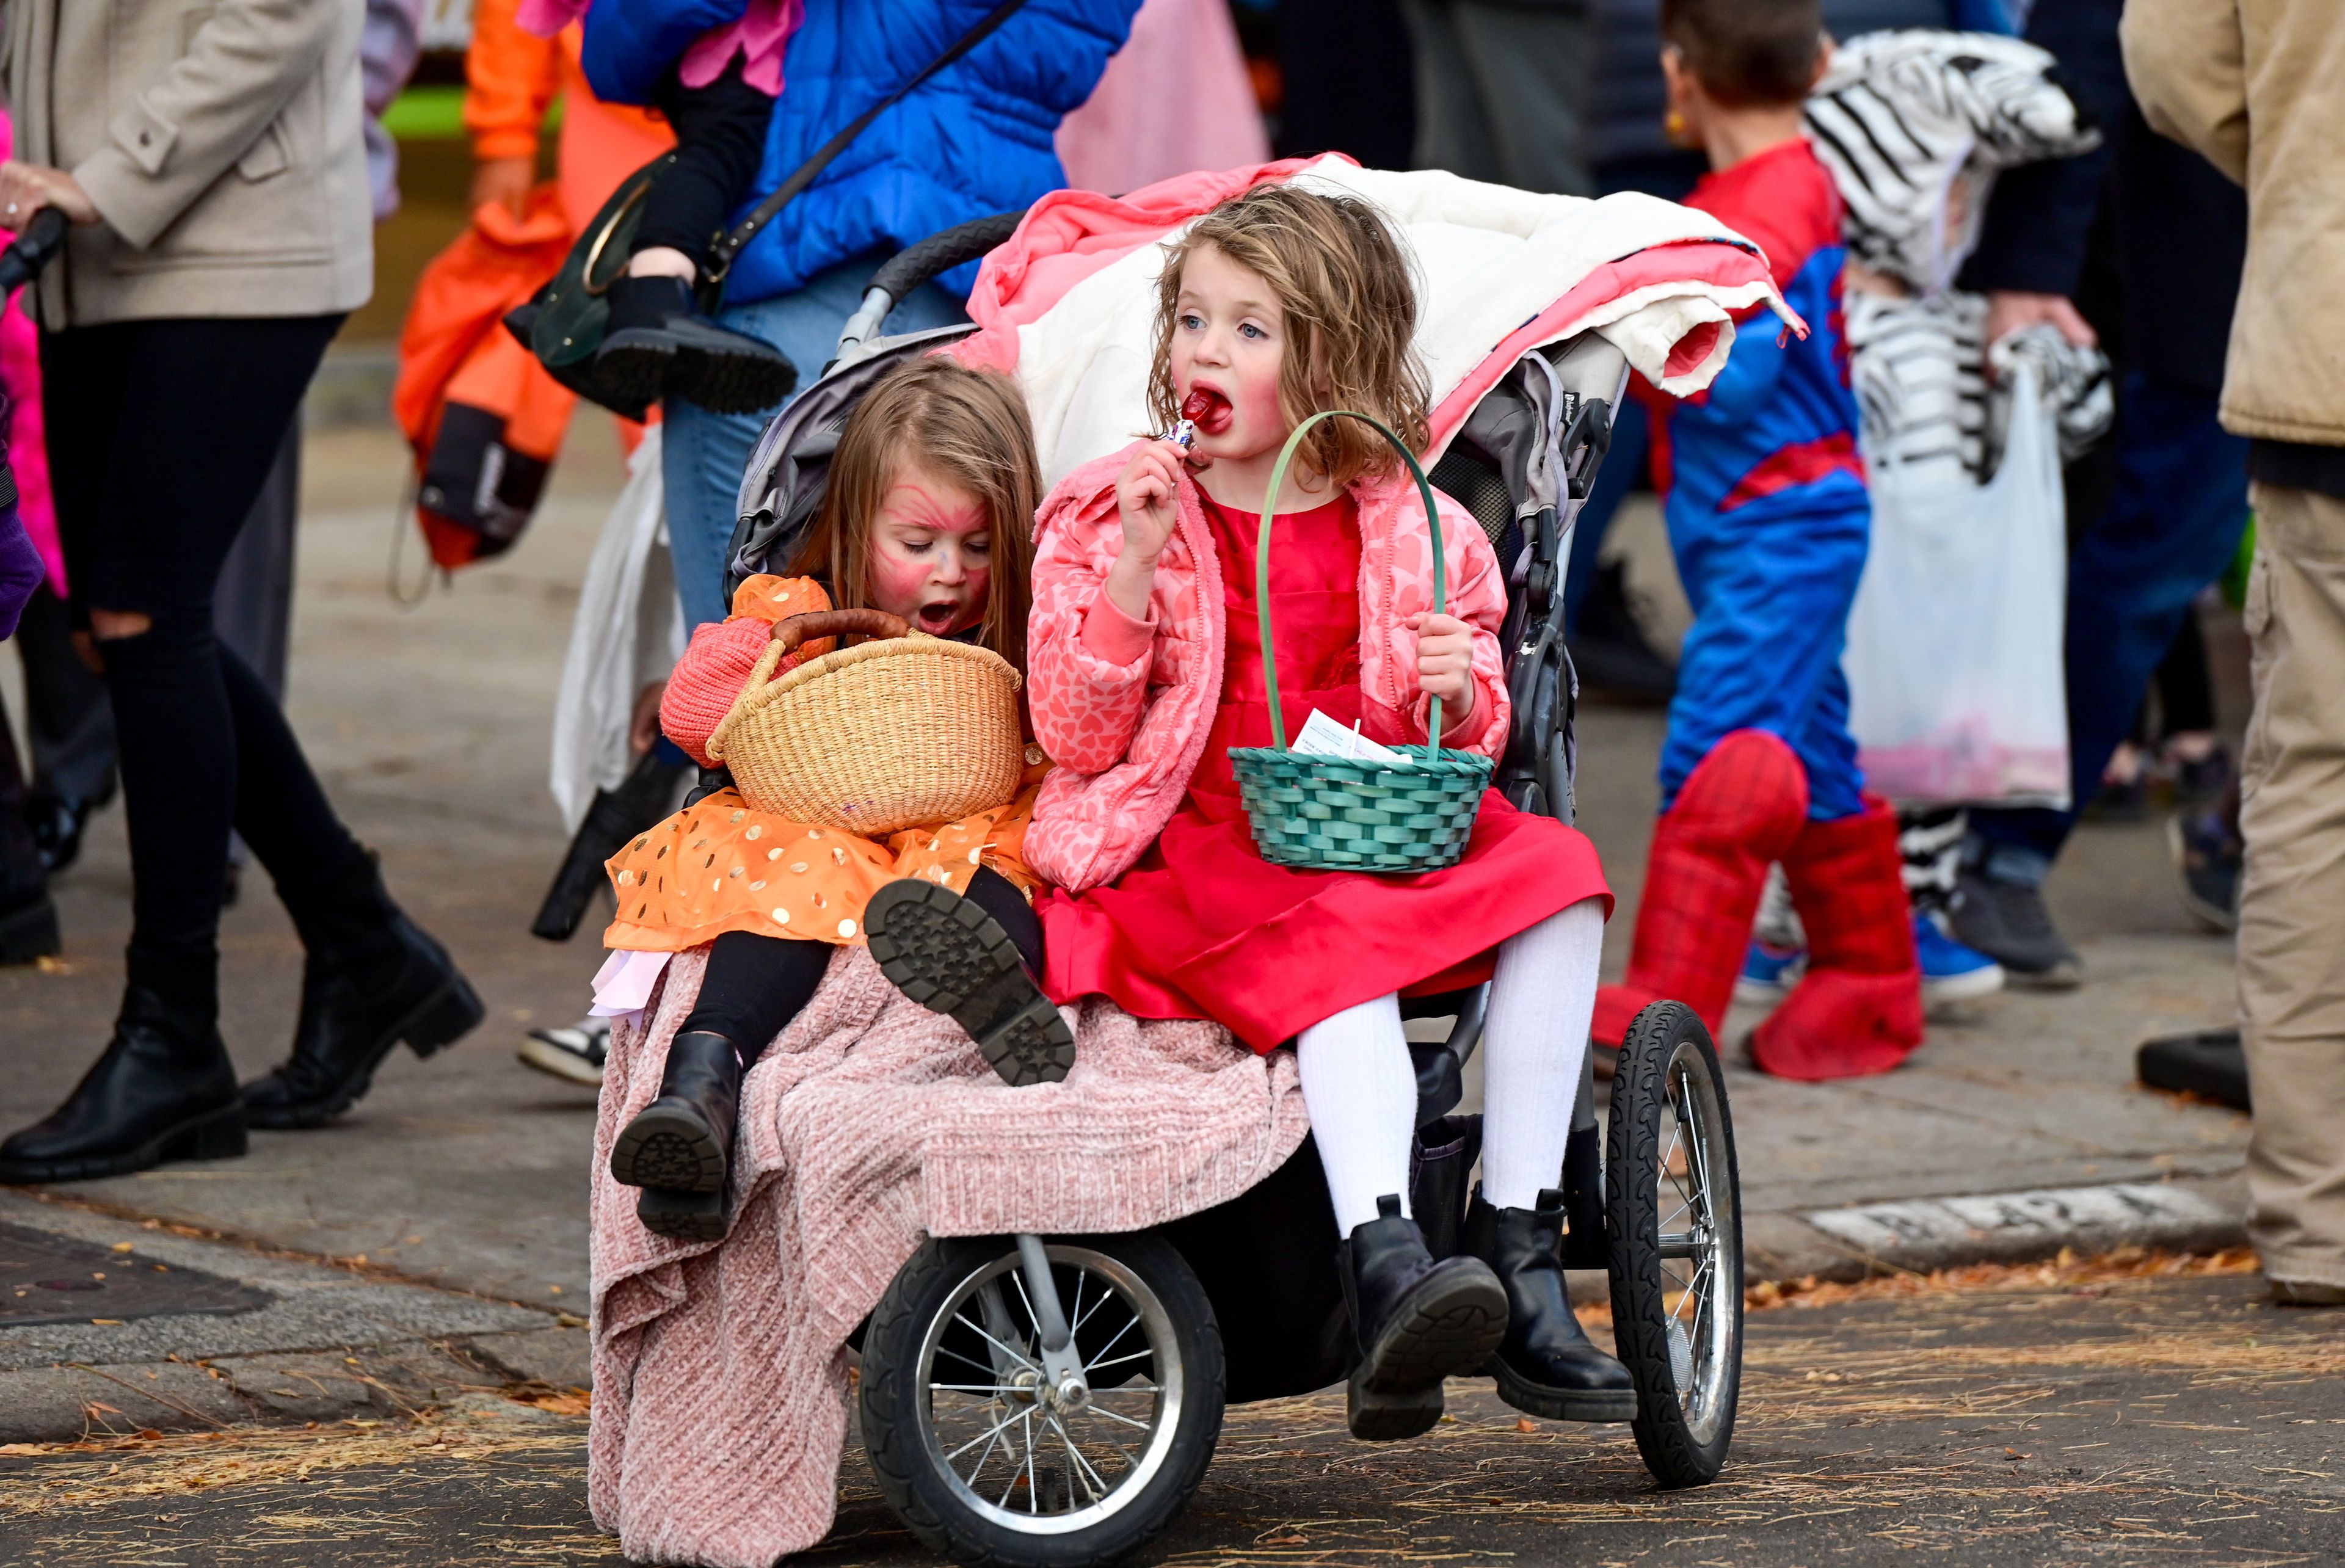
{"points": [[1769, 972], [1950, 971]]}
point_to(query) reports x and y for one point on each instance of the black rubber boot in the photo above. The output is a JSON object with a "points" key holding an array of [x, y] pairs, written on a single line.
{"points": [[951, 956], [163, 1090], [659, 344], [1415, 1322], [683, 1141], [1546, 1366], [643, 798], [373, 978]]}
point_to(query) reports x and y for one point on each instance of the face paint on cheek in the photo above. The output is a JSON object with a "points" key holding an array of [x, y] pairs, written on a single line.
{"points": [[895, 581]]}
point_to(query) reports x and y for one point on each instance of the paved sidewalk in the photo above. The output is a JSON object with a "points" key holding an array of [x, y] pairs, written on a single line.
{"points": [[458, 1185]]}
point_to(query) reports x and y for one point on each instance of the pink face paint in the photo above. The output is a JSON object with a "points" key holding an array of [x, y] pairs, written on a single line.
{"points": [[919, 563]]}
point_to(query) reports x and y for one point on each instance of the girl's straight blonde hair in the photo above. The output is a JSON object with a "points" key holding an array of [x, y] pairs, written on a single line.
{"points": [[966, 427], [1350, 305]]}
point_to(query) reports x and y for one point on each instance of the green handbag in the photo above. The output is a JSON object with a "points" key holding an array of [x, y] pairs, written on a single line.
{"points": [[564, 322]]}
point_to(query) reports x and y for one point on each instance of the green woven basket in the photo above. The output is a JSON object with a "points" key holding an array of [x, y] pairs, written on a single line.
{"points": [[1335, 813]]}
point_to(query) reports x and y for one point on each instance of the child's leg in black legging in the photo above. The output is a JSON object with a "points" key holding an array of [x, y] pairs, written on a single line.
{"points": [[998, 897], [754, 987]]}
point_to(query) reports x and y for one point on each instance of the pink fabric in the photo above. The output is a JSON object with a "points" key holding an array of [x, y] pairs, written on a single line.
{"points": [[1175, 98], [720, 1369], [1127, 736], [707, 680], [1069, 235], [28, 447], [761, 35]]}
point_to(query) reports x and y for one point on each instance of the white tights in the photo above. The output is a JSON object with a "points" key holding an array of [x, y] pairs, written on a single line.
{"points": [[1359, 1082]]}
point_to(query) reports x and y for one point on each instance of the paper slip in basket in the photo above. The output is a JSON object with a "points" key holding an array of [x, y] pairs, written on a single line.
{"points": [[1323, 737]]}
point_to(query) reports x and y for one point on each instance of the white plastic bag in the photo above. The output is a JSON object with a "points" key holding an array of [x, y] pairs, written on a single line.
{"points": [[629, 632], [1956, 684]]}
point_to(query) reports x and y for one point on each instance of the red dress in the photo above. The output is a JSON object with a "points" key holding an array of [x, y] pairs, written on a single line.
{"points": [[1204, 928]]}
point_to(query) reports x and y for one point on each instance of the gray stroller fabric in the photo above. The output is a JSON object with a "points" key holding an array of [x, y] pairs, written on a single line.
{"points": [[1913, 126]]}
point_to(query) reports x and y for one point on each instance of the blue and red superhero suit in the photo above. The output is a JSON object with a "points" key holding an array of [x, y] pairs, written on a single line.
{"points": [[1768, 518]]}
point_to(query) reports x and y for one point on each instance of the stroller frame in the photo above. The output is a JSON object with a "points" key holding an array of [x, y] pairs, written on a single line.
{"points": [[1053, 1316]]}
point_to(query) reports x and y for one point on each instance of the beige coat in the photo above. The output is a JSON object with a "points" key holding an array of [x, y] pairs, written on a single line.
{"points": [[2208, 72], [220, 141]]}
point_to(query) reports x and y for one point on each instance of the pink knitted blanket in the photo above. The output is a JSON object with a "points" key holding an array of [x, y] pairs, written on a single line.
{"points": [[720, 1369]]}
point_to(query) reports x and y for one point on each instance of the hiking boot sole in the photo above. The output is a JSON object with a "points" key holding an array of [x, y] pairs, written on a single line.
{"points": [[682, 1216], [447, 1016], [1450, 1324], [214, 1135], [647, 364], [949, 955], [670, 1145]]}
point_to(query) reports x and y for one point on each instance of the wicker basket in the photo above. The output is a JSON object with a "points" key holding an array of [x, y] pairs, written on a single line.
{"points": [[1338, 814], [904, 732]]}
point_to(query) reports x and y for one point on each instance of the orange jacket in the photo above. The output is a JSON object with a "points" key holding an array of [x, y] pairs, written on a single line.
{"points": [[513, 77]]}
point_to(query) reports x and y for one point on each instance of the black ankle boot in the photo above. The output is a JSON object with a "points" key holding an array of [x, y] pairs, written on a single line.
{"points": [[949, 955], [643, 798], [163, 1090], [373, 978], [1546, 1366], [1415, 1322], [683, 1141], [659, 344]]}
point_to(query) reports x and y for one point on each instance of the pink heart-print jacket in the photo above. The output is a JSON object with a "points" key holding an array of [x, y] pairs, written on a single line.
{"points": [[1123, 706]]}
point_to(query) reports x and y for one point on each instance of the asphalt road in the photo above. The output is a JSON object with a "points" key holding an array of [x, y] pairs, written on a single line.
{"points": [[2054, 1417]]}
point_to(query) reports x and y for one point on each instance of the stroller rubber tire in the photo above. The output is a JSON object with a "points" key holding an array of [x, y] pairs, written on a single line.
{"points": [[1686, 1361], [929, 1498]]}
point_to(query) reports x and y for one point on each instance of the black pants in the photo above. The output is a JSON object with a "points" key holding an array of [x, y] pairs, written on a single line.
{"points": [[755, 985], [720, 140], [161, 435]]}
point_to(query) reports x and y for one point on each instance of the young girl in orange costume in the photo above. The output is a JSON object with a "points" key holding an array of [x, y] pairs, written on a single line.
{"points": [[1148, 668], [925, 516]]}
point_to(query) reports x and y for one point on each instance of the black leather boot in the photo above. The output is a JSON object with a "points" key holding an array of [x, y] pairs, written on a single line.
{"points": [[643, 798], [373, 978], [1415, 1322], [1546, 1366], [659, 344], [163, 1090], [683, 1141]]}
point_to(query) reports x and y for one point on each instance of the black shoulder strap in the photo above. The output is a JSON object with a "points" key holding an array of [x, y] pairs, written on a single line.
{"points": [[722, 254]]}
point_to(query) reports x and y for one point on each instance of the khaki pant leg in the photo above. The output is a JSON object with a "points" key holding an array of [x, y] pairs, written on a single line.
{"points": [[2291, 942]]}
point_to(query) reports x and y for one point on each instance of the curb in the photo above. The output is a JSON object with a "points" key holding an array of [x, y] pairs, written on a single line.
{"points": [[1922, 1234]]}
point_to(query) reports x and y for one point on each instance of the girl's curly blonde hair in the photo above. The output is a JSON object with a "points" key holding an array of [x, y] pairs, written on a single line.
{"points": [[1350, 306]]}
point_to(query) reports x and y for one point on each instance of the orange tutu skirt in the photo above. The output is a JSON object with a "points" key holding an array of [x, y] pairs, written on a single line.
{"points": [[723, 865]]}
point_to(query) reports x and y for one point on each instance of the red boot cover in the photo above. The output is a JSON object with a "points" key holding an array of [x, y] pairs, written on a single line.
{"points": [[1740, 810], [1859, 1009]]}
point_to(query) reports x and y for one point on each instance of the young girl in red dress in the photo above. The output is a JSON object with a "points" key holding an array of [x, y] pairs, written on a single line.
{"points": [[1145, 667]]}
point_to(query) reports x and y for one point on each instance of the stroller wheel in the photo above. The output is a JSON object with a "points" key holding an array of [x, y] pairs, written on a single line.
{"points": [[978, 1451], [1673, 1222]]}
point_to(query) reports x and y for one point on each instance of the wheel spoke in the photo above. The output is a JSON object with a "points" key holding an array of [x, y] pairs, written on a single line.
{"points": [[980, 1437], [1033, 1487], [1093, 1479], [1124, 1419], [1017, 1356], [1120, 1333], [973, 1387], [1131, 1356]]}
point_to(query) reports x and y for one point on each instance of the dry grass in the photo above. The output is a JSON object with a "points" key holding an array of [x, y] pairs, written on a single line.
{"points": [[2066, 1272]]}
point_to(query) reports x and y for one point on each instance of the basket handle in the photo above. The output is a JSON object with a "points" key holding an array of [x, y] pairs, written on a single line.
{"points": [[791, 630], [1262, 564]]}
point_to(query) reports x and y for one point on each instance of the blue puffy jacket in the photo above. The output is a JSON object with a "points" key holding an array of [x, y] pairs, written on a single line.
{"points": [[974, 139]]}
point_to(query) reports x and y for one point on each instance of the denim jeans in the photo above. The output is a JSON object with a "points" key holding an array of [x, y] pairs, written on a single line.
{"points": [[703, 455], [2172, 525]]}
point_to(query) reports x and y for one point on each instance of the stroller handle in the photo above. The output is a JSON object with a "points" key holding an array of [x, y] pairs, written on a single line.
{"points": [[930, 258], [35, 249]]}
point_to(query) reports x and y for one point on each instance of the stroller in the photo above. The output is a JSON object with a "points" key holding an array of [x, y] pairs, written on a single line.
{"points": [[1030, 1399]]}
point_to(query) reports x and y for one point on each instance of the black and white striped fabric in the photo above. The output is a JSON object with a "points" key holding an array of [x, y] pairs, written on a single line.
{"points": [[1924, 399], [1913, 126]]}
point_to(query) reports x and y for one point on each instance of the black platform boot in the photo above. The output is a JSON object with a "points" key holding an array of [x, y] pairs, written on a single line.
{"points": [[679, 1148], [373, 978], [1415, 1322], [163, 1090], [1547, 1366], [659, 344], [946, 953]]}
